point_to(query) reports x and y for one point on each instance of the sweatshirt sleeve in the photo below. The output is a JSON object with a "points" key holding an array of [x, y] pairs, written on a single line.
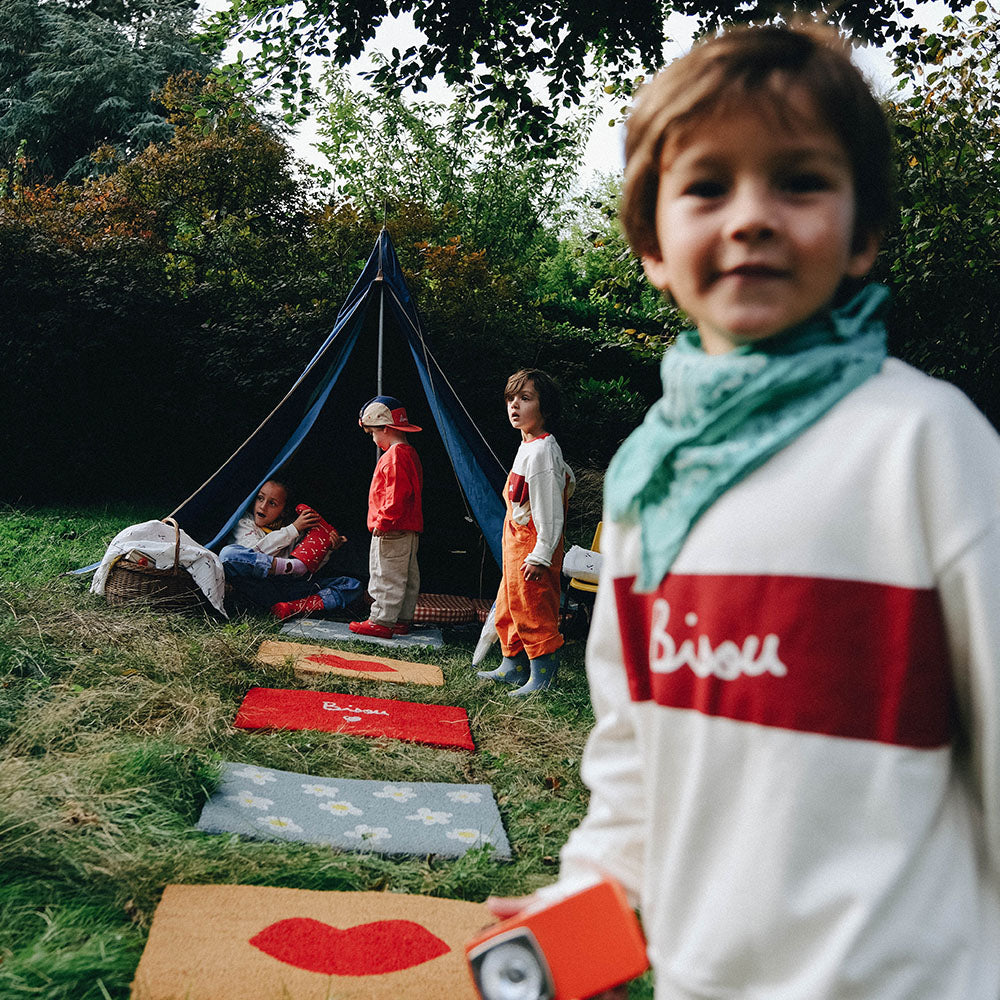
{"points": [[546, 475], [546, 494], [610, 838], [969, 590], [960, 504]]}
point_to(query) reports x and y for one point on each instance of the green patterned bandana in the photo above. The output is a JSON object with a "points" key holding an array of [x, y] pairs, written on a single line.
{"points": [[722, 416]]}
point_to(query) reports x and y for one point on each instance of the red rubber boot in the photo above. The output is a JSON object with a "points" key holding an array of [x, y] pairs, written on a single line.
{"points": [[287, 609]]}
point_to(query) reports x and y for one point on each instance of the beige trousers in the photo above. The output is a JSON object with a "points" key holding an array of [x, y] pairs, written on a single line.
{"points": [[394, 577]]}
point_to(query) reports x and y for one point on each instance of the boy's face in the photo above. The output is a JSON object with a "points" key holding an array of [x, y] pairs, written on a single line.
{"points": [[524, 411], [269, 505], [756, 222]]}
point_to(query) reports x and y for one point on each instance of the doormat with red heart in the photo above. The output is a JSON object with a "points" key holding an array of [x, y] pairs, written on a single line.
{"points": [[279, 708], [353, 814], [313, 661], [232, 942]]}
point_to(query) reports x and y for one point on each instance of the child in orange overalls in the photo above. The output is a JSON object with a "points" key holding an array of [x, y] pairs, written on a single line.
{"points": [[538, 487]]}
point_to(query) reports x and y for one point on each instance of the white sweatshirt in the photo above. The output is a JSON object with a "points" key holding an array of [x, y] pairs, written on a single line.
{"points": [[538, 486], [278, 542], [795, 769]]}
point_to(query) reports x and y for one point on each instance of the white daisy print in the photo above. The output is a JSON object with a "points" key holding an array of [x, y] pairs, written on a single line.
{"points": [[397, 792], [320, 790], [368, 834], [465, 795], [282, 824], [255, 774], [428, 817], [248, 800], [341, 808], [469, 836]]}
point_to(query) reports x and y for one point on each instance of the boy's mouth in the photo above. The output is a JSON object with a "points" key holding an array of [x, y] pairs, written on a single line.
{"points": [[754, 271]]}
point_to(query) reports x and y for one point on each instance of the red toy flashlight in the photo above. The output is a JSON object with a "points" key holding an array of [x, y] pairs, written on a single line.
{"points": [[574, 948]]}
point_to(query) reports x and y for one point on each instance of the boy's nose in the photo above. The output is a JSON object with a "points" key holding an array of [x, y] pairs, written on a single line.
{"points": [[752, 215]]}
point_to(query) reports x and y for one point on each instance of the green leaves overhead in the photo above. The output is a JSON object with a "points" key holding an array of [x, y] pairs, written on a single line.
{"points": [[519, 62]]}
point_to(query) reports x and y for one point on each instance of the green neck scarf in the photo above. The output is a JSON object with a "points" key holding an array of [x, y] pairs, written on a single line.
{"points": [[722, 416]]}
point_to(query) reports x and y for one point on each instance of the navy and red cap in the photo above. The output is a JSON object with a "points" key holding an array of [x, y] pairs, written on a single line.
{"points": [[385, 411]]}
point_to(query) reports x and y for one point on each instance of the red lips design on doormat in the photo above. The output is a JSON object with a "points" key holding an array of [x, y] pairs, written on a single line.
{"points": [[370, 666], [363, 950]]}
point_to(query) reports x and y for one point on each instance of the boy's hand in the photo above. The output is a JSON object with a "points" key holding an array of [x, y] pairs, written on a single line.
{"points": [[337, 540], [532, 572], [503, 907], [306, 521]]}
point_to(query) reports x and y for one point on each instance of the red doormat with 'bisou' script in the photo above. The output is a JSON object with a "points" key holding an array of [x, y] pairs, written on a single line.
{"points": [[277, 708]]}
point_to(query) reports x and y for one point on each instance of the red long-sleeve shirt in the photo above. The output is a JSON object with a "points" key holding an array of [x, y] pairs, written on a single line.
{"points": [[394, 496]]}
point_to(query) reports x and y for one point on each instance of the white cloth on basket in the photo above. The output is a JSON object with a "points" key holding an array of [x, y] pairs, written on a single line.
{"points": [[157, 541]]}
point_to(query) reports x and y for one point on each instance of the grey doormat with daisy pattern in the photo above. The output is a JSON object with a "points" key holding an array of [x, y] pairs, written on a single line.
{"points": [[413, 817]]}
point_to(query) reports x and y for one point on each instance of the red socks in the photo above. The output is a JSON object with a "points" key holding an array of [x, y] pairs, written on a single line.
{"points": [[313, 549]]}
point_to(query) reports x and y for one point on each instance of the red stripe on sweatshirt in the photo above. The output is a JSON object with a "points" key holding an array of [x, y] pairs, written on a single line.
{"points": [[517, 489], [838, 657]]}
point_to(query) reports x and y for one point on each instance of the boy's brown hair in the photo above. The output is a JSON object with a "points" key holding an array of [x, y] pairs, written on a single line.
{"points": [[758, 65], [549, 400]]}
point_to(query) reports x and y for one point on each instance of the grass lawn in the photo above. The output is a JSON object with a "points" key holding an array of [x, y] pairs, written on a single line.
{"points": [[113, 722]]}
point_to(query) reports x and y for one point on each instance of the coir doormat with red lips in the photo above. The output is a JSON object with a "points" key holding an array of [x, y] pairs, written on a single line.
{"points": [[313, 661], [279, 708], [401, 817], [234, 942]]}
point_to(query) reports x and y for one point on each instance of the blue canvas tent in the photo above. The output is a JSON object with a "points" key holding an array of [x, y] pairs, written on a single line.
{"points": [[210, 513]]}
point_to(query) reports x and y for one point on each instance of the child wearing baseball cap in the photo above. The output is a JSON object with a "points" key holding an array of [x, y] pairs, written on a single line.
{"points": [[395, 519]]}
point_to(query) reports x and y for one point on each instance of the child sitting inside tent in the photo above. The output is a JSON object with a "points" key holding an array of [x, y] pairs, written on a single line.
{"points": [[273, 562]]}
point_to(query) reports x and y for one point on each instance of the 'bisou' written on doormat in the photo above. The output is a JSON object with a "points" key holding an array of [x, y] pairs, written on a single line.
{"points": [[234, 942], [314, 661], [279, 708], [412, 817]]}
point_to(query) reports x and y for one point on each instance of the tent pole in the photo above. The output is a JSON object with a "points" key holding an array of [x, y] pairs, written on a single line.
{"points": [[381, 317]]}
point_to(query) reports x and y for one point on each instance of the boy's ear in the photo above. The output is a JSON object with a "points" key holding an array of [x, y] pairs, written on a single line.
{"points": [[863, 254], [656, 270]]}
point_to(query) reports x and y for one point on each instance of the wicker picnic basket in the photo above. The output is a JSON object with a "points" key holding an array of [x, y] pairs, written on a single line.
{"points": [[170, 589]]}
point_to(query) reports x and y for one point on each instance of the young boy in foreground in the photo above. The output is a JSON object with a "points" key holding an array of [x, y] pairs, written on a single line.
{"points": [[395, 519], [795, 652]]}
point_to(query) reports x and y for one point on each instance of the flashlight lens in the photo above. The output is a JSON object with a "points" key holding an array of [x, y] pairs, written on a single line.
{"points": [[510, 971]]}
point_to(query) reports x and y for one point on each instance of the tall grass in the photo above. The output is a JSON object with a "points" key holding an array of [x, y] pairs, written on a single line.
{"points": [[113, 723]]}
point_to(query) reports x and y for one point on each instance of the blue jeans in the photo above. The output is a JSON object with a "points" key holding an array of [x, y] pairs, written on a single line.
{"points": [[247, 570]]}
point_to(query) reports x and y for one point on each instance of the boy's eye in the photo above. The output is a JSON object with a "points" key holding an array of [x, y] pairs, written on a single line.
{"points": [[805, 182], [705, 188]]}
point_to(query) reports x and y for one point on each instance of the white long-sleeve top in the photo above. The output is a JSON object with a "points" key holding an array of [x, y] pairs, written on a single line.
{"points": [[278, 542], [538, 486], [795, 769]]}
